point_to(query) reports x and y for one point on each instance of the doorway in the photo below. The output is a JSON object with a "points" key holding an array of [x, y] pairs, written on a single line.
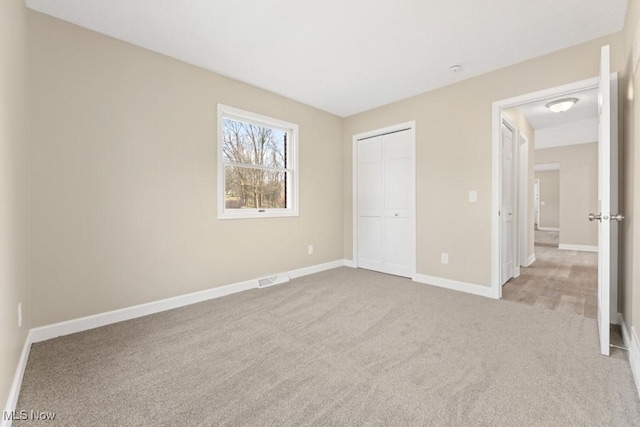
{"points": [[384, 200], [606, 209]]}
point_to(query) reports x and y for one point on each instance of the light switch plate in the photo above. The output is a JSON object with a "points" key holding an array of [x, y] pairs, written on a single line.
{"points": [[473, 196]]}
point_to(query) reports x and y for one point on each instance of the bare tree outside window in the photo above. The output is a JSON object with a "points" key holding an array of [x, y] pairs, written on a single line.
{"points": [[255, 165]]}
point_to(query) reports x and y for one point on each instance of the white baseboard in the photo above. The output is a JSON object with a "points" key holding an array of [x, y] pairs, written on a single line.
{"points": [[631, 342], [549, 228], [469, 288], [583, 248], [350, 263], [531, 260], [294, 274], [14, 392], [47, 332]]}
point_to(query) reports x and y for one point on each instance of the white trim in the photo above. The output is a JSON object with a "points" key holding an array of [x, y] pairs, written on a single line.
{"points": [[350, 263], [631, 342], [548, 228], [469, 288], [541, 167], [496, 122], [531, 260], [47, 332], [523, 199], [410, 127], [318, 268], [14, 392], [292, 163], [583, 248]]}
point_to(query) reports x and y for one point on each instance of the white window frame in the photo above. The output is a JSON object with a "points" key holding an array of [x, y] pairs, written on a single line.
{"points": [[225, 111]]}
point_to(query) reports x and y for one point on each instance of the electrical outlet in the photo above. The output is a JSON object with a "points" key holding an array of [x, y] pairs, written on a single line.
{"points": [[310, 249], [444, 258], [19, 315], [473, 196]]}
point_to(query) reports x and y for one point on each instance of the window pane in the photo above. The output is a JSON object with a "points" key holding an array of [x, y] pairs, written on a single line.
{"points": [[253, 145], [248, 188]]}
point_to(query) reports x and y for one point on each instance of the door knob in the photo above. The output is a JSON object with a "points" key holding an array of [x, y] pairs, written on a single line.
{"points": [[617, 217], [593, 217]]}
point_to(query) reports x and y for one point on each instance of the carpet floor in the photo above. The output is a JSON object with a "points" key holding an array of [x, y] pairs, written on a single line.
{"points": [[342, 347]]}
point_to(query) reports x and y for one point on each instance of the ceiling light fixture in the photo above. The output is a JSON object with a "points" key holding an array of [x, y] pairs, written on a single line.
{"points": [[562, 105], [455, 68]]}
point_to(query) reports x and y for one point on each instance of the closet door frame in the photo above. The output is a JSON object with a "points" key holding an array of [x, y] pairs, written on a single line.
{"points": [[408, 127]]}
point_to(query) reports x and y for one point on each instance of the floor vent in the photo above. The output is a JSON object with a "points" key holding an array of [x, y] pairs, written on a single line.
{"points": [[273, 280]]}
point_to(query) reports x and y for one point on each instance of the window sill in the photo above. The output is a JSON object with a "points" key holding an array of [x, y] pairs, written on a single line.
{"points": [[254, 214]]}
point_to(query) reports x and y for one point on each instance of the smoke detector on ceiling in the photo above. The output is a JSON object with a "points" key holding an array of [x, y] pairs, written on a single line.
{"points": [[455, 68]]}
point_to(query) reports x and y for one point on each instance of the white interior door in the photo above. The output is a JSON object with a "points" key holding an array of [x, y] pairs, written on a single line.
{"points": [[508, 199], [607, 201], [385, 203]]}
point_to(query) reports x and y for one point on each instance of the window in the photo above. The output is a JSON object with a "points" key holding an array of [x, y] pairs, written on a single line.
{"points": [[257, 165]]}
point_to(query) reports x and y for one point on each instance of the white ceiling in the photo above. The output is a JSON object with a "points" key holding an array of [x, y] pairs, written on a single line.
{"points": [[572, 133], [541, 117], [346, 56], [579, 125]]}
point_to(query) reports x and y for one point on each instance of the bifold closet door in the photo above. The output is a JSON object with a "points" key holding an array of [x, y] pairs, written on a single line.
{"points": [[384, 203]]}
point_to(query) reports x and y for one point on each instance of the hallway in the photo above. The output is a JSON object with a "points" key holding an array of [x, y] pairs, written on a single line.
{"points": [[560, 280]]}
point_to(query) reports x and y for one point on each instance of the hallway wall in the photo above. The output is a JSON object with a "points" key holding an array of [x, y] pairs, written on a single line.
{"points": [[578, 191], [549, 198]]}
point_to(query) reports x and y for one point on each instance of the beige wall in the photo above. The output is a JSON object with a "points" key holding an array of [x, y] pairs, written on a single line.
{"points": [[123, 181], [549, 198], [578, 191], [13, 187], [519, 120], [454, 155], [630, 191]]}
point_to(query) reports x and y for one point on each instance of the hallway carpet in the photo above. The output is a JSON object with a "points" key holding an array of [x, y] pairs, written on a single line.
{"points": [[342, 347]]}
